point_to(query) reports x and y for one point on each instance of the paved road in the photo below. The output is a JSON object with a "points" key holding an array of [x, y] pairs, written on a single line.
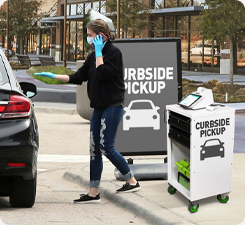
{"points": [[58, 153]]}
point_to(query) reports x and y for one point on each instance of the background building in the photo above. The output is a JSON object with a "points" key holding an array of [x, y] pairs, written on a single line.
{"points": [[170, 18]]}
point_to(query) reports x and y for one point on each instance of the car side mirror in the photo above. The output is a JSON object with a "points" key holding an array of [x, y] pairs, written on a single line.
{"points": [[222, 143], [30, 90], [202, 146], [157, 107], [125, 108]]}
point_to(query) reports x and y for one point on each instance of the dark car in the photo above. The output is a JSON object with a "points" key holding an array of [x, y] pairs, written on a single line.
{"points": [[212, 148], [11, 52], [19, 140]]}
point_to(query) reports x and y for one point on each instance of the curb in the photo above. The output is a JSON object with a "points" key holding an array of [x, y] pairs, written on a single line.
{"points": [[55, 110], [124, 203]]}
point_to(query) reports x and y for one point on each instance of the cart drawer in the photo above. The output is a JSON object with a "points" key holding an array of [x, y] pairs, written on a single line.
{"points": [[179, 136], [179, 121], [184, 181]]}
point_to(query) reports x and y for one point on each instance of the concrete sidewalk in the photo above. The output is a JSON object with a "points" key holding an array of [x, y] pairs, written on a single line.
{"points": [[153, 203]]}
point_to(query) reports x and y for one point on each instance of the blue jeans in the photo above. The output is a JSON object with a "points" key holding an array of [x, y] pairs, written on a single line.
{"points": [[103, 130]]}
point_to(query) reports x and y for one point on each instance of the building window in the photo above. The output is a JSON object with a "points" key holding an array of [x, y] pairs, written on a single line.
{"points": [[45, 42], [198, 2], [96, 6], [185, 3], [80, 8], [88, 6], [68, 10], [170, 3], [73, 10], [159, 4], [103, 7]]}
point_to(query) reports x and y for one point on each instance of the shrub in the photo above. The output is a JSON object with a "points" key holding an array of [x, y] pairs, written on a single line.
{"points": [[240, 91], [18, 66], [185, 83], [219, 85], [215, 90], [185, 87], [214, 81]]}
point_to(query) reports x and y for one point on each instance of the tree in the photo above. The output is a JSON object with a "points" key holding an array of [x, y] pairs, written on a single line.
{"points": [[222, 19], [134, 15], [23, 16]]}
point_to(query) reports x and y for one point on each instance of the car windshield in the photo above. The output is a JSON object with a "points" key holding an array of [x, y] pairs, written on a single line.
{"points": [[212, 143], [141, 105]]}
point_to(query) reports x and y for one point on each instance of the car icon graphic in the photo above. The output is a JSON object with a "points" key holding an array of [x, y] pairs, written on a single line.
{"points": [[141, 113], [212, 148]]}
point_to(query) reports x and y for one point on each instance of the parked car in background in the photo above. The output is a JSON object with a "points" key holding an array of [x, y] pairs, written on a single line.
{"points": [[11, 52], [19, 139], [197, 49]]}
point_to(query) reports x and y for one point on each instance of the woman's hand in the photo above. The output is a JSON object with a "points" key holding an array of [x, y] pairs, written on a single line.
{"points": [[46, 74], [64, 78], [98, 45]]}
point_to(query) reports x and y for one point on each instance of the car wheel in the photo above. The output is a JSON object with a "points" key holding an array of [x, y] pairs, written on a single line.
{"points": [[23, 193]]}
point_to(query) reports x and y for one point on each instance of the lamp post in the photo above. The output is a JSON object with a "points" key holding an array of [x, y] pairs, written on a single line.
{"points": [[7, 29], [64, 37], [118, 18]]}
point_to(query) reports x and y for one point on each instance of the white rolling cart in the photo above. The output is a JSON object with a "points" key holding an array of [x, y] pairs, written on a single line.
{"points": [[205, 138]]}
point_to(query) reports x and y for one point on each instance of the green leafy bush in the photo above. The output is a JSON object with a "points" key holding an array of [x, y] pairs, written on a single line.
{"points": [[18, 66], [53, 69]]}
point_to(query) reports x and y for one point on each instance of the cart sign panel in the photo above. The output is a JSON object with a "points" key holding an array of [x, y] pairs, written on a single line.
{"points": [[152, 75]]}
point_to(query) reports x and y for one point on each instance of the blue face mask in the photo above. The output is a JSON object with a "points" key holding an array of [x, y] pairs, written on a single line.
{"points": [[90, 40]]}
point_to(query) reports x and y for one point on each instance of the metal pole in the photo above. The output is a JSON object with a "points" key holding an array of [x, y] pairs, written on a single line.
{"points": [[7, 53], [64, 37], [118, 18]]}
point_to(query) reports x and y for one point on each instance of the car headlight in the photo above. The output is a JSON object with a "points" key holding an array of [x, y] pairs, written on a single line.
{"points": [[203, 152], [155, 117], [221, 149], [127, 117]]}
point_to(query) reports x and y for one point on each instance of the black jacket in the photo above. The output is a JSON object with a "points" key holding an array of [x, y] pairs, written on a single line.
{"points": [[106, 82]]}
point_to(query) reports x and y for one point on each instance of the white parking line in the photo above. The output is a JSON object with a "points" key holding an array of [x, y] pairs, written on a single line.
{"points": [[40, 170], [64, 158]]}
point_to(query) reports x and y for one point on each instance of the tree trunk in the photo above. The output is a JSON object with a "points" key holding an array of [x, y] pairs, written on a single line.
{"points": [[26, 45], [21, 46], [231, 61]]}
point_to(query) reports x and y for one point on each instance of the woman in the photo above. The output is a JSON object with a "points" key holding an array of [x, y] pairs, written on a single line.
{"points": [[103, 70]]}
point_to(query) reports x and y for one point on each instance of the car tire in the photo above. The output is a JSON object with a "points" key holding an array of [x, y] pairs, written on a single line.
{"points": [[23, 193]]}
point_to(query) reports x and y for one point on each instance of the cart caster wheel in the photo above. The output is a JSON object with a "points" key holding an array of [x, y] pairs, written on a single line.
{"points": [[193, 208], [223, 200], [171, 189]]}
